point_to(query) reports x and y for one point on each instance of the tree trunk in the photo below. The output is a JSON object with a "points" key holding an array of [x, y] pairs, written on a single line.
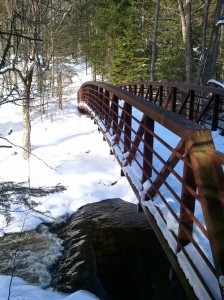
{"points": [[182, 17], [26, 117], [209, 71], [203, 42], [188, 44], [86, 64], [153, 59], [26, 129], [59, 90], [185, 15]]}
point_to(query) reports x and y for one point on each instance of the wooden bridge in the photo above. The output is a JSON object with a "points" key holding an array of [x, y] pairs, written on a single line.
{"points": [[161, 136]]}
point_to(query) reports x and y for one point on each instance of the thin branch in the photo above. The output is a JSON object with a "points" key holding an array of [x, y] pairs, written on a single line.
{"points": [[13, 69], [5, 52], [28, 152], [21, 35]]}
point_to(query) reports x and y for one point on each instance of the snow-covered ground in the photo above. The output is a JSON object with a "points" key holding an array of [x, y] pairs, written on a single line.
{"points": [[67, 149]]}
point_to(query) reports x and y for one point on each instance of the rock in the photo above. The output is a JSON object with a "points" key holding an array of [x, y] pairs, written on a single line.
{"points": [[111, 251]]}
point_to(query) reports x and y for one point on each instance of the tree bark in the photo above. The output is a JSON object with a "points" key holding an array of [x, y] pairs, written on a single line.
{"points": [[153, 58], [59, 89], [26, 130], [203, 41], [185, 15], [209, 71], [26, 116], [188, 44]]}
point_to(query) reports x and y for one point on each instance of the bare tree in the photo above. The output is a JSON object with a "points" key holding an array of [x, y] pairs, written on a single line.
{"points": [[20, 47], [209, 48], [208, 69]]}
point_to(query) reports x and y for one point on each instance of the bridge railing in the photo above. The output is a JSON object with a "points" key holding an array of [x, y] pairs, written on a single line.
{"points": [[204, 105], [177, 176]]}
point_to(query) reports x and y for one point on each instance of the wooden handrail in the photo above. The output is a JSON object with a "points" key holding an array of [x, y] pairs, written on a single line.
{"points": [[216, 156], [194, 87], [200, 104]]}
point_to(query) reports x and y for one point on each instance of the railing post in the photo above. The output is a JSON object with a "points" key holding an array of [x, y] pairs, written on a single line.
{"points": [[97, 97], [160, 95], [89, 95], [187, 200], [92, 96], [209, 178], [191, 105], [215, 113], [115, 113], [174, 100], [141, 91], [127, 126], [101, 103], [150, 93], [106, 105], [147, 154]]}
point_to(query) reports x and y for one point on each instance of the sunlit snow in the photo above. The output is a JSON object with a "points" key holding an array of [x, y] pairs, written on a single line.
{"points": [[67, 149]]}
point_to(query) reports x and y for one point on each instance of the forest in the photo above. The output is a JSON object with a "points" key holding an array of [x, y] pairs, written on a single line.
{"points": [[121, 40]]}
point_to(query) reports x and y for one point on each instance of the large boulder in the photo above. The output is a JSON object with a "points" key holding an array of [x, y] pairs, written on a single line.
{"points": [[111, 251]]}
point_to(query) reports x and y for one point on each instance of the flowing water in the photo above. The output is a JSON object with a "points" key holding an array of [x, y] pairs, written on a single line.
{"points": [[106, 248], [30, 255]]}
